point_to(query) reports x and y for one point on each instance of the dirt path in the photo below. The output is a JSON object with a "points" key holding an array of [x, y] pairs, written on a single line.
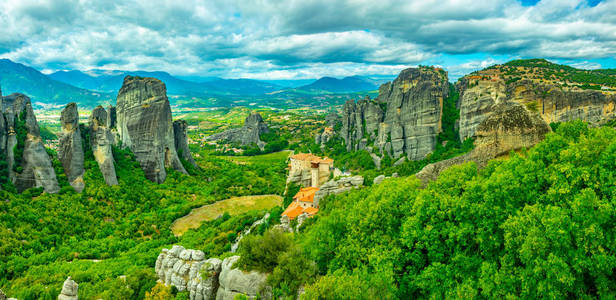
{"points": [[234, 206]]}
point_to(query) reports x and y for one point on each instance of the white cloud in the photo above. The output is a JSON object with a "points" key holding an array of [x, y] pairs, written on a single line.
{"points": [[295, 37]]}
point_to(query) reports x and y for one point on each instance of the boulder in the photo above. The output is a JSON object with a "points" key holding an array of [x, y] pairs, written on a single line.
{"points": [[246, 135], [181, 141], [378, 179], [70, 147], [35, 169], [234, 281], [69, 290], [101, 140], [145, 126]]}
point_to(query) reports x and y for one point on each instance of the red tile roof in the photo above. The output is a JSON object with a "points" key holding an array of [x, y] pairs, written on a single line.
{"points": [[306, 194]]}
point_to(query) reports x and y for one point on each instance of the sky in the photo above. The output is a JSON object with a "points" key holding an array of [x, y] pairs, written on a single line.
{"points": [[302, 39]]}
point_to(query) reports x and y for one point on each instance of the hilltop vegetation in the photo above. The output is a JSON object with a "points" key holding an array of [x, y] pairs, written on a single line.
{"points": [[541, 70]]}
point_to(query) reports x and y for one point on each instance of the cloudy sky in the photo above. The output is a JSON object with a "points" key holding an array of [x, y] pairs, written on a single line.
{"points": [[299, 39]]}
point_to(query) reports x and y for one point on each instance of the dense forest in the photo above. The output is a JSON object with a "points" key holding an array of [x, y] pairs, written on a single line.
{"points": [[108, 238], [538, 224]]}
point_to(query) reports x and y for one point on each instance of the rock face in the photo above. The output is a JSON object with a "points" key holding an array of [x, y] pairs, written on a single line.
{"points": [[34, 167], [206, 278], [181, 141], [248, 134], [338, 186], [478, 99], [411, 118], [234, 281], [70, 147], [101, 140], [69, 290], [189, 270], [144, 125], [509, 127], [360, 122]]}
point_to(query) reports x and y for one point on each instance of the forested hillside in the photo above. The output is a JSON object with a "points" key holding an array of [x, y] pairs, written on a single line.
{"points": [[108, 232], [538, 224]]}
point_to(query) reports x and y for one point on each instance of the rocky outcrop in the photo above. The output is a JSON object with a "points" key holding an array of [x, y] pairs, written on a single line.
{"points": [[101, 140], [234, 281], [145, 126], [247, 135], [478, 99], [509, 127], [189, 270], [181, 141], [70, 147], [69, 290], [337, 186], [404, 119], [212, 278], [33, 168]]}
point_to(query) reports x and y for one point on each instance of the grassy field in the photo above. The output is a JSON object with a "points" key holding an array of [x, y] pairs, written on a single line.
{"points": [[265, 158], [233, 206]]}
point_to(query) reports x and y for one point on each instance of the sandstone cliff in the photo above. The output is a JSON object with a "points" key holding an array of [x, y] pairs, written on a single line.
{"points": [[70, 148], [206, 278], [181, 141], [101, 140], [553, 102], [145, 126], [404, 119], [246, 135], [33, 167], [510, 126]]}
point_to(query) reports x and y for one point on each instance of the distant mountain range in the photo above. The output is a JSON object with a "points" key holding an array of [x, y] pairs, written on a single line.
{"points": [[95, 87], [41, 88], [344, 85]]}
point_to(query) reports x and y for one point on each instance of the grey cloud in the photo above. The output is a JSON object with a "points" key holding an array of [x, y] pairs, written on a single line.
{"points": [[273, 37]]}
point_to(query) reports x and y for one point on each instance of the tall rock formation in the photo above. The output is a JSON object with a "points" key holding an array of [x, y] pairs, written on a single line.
{"points": [[181, 141], [144, 125], [411, 118], [32, 167], [510, 126], [70, 148], [360, 123], [248, 134], [101, 140]]}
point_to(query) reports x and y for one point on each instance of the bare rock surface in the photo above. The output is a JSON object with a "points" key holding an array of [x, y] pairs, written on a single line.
{"points": [[248, 134], [234, 281], [405, 118], [101, 140], [69, 290], [510, 127], [35, 168], [181, 141], [70, 147], [145, 126]]}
